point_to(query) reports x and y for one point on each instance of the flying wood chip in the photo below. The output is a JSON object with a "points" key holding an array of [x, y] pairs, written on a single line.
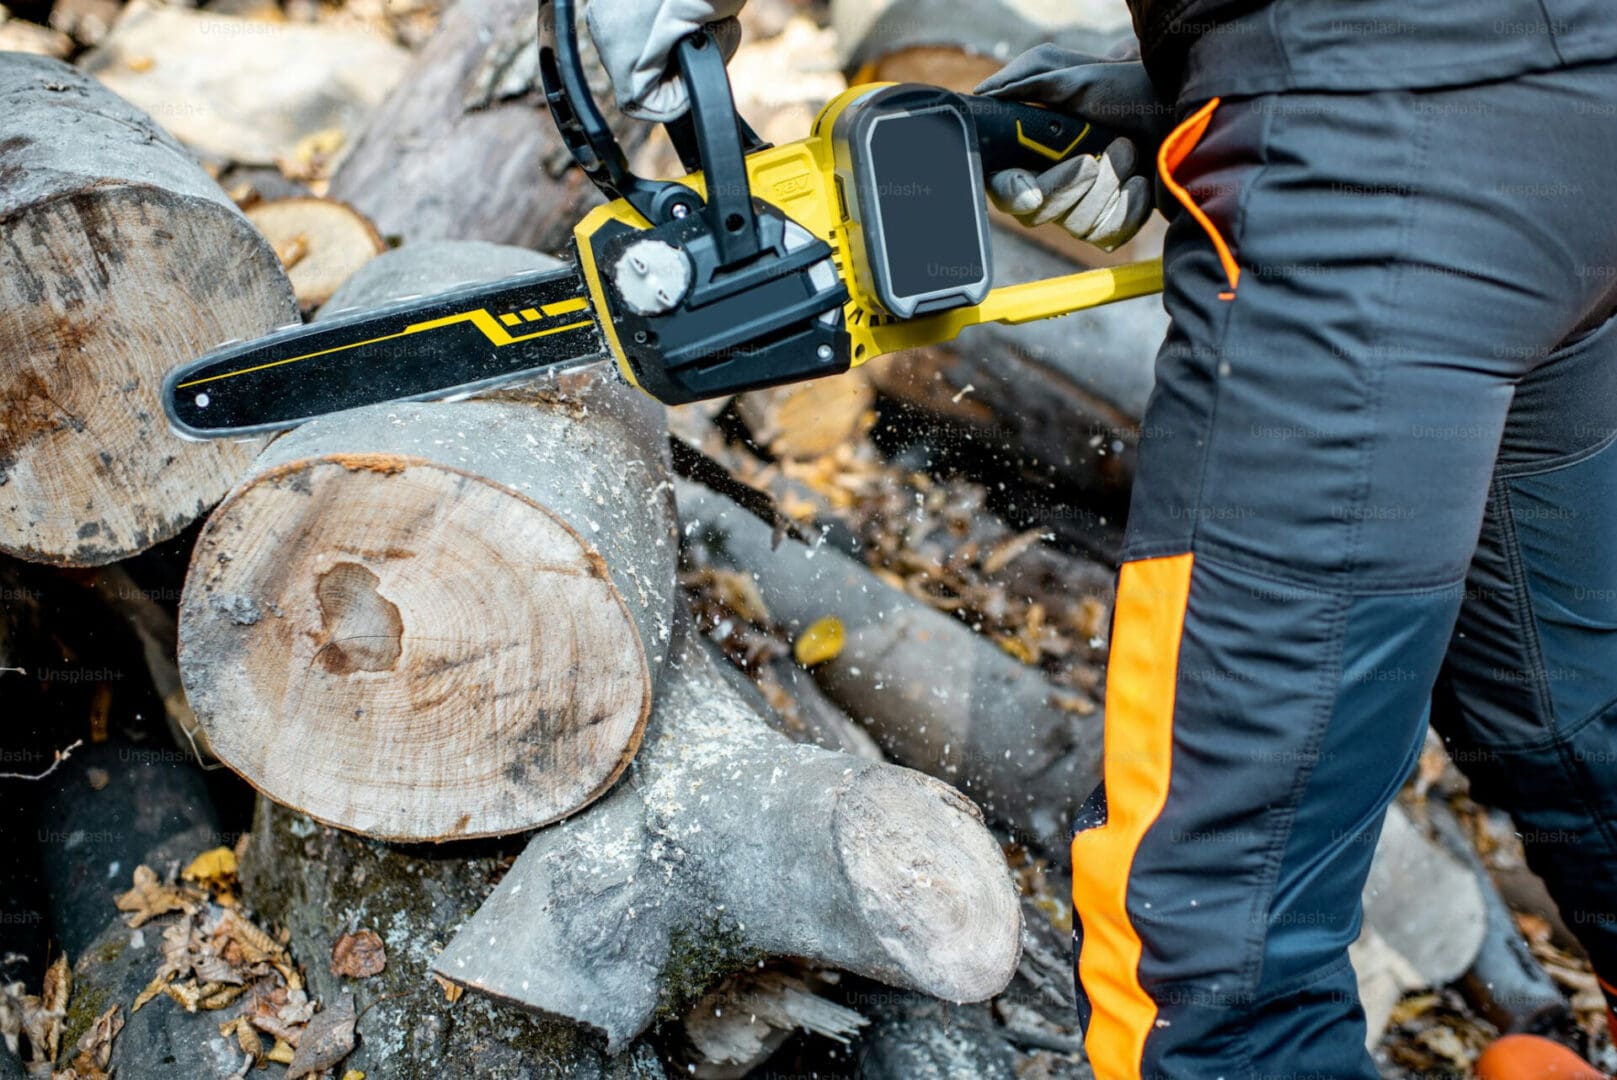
{"points": [[358, 955]]}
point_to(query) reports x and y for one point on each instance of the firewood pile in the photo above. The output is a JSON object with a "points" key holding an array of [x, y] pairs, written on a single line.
{"points": [[472, 738]]}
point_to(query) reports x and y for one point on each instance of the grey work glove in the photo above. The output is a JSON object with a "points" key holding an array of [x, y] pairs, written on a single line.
{"points": [[1103, 200], [636, 40]]}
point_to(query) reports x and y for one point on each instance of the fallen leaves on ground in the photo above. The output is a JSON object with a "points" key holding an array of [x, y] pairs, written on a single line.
{"points": [[213, 956], [95, 1048], [150, 898], [215, 871], [328, 1039], [358, 955]]}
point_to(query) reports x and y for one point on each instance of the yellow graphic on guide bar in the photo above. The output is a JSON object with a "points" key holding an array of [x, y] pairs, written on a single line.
{"points": [[492, 329]]}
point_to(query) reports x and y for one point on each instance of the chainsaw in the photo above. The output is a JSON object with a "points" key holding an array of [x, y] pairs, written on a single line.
{"points": [[765, 265]]}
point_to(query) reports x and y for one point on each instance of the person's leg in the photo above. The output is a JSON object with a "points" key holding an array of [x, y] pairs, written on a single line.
{"points": [[1317, 458], [1528, 697]]}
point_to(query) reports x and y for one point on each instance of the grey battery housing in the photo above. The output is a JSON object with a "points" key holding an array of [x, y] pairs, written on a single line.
{"points": [[909, 172]]}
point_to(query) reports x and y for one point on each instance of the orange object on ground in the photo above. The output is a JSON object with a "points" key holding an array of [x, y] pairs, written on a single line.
{"points": [[1529, 1057]]}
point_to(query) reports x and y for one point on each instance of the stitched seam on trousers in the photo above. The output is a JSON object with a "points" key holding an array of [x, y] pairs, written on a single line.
{"points": [[1358, 585], [1555, 465], [1527, 622], [1326, 691], [1237, 231], [1387, 304], [1550, 23], [1550, 741]]}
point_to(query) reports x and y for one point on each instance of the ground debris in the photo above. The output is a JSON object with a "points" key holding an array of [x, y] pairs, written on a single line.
{"points": [[358, 955]]}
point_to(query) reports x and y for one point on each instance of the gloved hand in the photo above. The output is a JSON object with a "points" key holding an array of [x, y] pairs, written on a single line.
{"points": [[1103, 200], [636, 40]]}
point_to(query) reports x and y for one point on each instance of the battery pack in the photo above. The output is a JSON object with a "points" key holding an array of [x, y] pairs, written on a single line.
{"points": [[910, 175]]}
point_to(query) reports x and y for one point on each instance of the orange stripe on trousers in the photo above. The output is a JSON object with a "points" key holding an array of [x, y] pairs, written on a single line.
{"points": [[1140, 684]]}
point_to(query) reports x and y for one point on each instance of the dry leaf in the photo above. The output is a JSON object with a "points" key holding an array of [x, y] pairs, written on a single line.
{"points": [[452, 991], [821, 642], [149, 899], [246, 1037], [215, 869], [353, 1074], [53, 1007], [95, 1045], [281, 1053], [358, 955], [153, 988], [328, 1039]]}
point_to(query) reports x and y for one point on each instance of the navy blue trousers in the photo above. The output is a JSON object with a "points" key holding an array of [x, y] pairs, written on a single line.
{"points": [[1377, 486]]}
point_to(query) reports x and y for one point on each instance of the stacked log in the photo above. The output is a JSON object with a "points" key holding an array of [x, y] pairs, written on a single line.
{"points": [[731, 844], [121, 259], [463, 150], [432, 621], [982, 720]]}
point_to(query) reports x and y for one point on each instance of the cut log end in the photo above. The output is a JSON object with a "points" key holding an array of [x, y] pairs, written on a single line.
{"points": [[321, 242], [122, 260], [914, 871], [91, 472], [526, 679]]}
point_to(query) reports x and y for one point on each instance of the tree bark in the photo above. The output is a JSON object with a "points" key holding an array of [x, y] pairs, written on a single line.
{"points": [[934, 695], [431, 621], [463, 148], [119, 258], [728, 844]]}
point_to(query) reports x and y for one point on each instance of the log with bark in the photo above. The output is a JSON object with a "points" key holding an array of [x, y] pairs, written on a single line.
{"points": [[934, 695], [121, 259], [259, 91], [941, 699], [430, 621], [463, 149], [949, 43], [726, 844], [1505, 982]]}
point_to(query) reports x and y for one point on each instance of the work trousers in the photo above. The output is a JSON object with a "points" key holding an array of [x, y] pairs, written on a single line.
{"points": [[1377, 485]]}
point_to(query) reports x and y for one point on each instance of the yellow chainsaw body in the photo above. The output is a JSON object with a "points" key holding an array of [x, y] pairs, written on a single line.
{"points": [[800, 179]]}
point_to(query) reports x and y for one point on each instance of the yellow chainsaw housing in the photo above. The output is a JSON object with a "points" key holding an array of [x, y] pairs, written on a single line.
{"points": [[800, 179]]}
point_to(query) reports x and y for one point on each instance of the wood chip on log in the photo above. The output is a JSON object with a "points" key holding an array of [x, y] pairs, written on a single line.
{"points": [[729, 844], [246, 90], [463, 149], [321, 242], [429, 621], [121, 259], [934, 695]]}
